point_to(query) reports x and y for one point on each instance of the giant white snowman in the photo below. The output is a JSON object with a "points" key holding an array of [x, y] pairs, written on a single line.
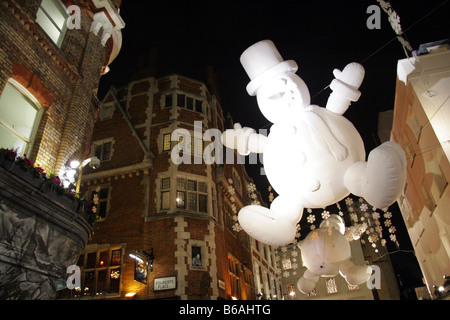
{"points": [[313, 156]]}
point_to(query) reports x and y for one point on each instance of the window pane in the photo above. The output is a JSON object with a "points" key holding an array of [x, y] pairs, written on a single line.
{"points": [[192, 185], [17, 112], [103, 194], [166, 142], [98, 151], [55, 11], [165, 200], [89, 282], [115, 257], [102, 206], [181, 183], [91, 259], [202, 187], [199, 147], [181, 100], [12, 141], [168, 101], [103, 260], [202, 203], [180, 199], [198, 106], [114, 280], [101, 281], [48, 26], [190, 103], [106, 151], [165, 183], [192, 201], [180, 142]]}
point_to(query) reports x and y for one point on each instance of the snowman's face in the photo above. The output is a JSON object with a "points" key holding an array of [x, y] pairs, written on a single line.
{"points": [[281, 94]]}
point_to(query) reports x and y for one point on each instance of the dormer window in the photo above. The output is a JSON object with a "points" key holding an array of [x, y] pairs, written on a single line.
{"points": [[52, 17]]}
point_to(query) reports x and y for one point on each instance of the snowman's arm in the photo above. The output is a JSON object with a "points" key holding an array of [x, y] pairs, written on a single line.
{"points": [[345, 87], [244, 140]]}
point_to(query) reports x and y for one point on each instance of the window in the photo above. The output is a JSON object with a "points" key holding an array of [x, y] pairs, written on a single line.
{"points": [[197, 257], [189, 103], [181, 98], [107, 111], [100, 197], [100, 274], [166, 142], [168, 102], [165, 194], [103, 150], [237, 182], [19, 115], [52, 17], [234, 272], [192, 195]]}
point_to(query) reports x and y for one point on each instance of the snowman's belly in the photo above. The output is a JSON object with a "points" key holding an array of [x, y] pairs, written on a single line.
{"points": [[288, 173]]}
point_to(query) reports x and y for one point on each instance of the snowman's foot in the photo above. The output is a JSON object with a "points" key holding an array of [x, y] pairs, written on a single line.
{"points": [[265, 226], [381, 180]]}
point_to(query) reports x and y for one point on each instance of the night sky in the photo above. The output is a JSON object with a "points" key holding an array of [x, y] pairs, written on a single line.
{"points": [[319, 35]]}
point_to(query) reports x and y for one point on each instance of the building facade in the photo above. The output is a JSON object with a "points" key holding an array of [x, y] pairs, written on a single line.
{"points": [[421, 127], [52, 55], [168, 227]]}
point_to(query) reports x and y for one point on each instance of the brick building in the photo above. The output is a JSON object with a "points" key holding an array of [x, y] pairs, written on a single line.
{"points": [[420, 126], [52, 55], [176, 219]]}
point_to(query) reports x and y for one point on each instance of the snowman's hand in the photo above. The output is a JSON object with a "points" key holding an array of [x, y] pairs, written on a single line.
{"points": [[237, 138]]}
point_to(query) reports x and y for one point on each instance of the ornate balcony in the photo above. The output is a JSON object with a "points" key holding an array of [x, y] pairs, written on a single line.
{"points": [[41, 234]]}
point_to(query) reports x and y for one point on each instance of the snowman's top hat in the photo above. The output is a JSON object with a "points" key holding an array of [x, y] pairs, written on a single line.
{"points": [[262, 61]]}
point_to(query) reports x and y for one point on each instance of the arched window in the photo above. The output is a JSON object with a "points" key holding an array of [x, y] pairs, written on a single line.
{"points": [[20, 113]]}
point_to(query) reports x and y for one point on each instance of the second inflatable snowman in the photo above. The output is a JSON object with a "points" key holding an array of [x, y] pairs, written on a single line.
{"points": [[313, 156]]}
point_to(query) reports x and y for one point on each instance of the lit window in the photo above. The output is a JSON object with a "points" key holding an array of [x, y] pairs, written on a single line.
{"points": [[166, 142], [100, 274], [19, 115], [52, 17]]}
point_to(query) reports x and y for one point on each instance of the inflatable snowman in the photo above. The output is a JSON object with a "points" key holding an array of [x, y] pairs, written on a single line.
{"points": [[326, 253], [313, 156]]}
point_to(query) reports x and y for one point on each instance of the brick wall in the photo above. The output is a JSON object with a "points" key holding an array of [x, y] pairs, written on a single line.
{"points": [[64, 80]]}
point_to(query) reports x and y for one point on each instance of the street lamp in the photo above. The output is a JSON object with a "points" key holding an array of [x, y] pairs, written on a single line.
{"points": [[93, 162]]}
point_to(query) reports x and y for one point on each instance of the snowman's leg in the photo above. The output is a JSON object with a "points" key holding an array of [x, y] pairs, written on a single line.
{"points": [[274, 226], [307, 283], [380, 180], [353, 274]]}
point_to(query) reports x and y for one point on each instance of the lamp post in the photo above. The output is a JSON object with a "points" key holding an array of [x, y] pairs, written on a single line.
{"points": [[94, 162]]}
